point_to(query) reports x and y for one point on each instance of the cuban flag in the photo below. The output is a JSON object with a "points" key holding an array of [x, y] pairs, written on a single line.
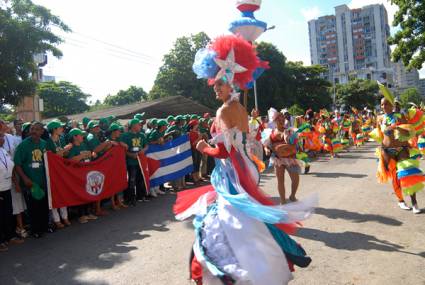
{"points": [[166, 162]]}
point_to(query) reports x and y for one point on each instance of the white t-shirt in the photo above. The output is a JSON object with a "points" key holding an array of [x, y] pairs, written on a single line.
{"points": [[11, 143], [6, 169]]}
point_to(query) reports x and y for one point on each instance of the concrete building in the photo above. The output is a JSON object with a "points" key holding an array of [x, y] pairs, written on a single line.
{"points": [[422, 86], [405, 79], [352, 43]]}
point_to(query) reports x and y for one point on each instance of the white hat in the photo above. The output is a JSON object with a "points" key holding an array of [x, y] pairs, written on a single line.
{"points": [[272, 114]]}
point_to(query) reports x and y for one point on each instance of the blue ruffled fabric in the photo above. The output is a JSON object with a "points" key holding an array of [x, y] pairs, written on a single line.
{"points": [[408, 172], [224, 187]]}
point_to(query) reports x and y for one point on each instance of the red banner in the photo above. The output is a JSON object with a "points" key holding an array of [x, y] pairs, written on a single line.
{"points": [[72, 183]]}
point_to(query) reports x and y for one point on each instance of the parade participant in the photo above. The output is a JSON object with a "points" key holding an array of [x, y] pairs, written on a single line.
{"points": [[18, 202], [115, 136], [136, 142], [328, 131], [283, 155], [204, 132], [395, 162], [174, 131], [7, 231], [29, 164], [57, 145], [254, 139], [345, 130], [195, 136], [98, 145], [356, 133], [81, 152], [237, 239]]}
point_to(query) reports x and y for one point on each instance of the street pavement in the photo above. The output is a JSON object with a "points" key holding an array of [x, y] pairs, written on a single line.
{"points": [[358, 235]]}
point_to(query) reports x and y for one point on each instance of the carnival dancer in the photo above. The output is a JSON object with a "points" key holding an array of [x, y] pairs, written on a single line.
{"points": [[281, 143], [345, 130], [254, 139], [394, 154], [234, 220], [328, 129]]}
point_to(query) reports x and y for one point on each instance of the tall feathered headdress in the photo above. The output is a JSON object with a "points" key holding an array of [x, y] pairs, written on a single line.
{"points": [[230, 58]]}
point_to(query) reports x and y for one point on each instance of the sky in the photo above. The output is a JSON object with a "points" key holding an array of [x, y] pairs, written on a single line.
{"points": [[116, 44]]}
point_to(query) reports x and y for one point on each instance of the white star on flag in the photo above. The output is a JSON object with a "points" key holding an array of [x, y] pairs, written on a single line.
{"points": [[228, 67]]}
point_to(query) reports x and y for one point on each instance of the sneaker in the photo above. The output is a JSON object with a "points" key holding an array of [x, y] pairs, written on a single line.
{"points": [[403, 206], [146, 200], [3, 247], [83, 220], [22, 233], [66, 222], [91, 217], [415, 209], [153, 194], [160, 192], [307, 169]]}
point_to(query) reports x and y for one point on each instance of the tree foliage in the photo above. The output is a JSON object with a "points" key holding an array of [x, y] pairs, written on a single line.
{"points": [[25, 30], [62, 98], [176, 77], [284, 84], [307, 87], [410, 38], [123, 97], [296, 110], [410, 95], [358, 93]]}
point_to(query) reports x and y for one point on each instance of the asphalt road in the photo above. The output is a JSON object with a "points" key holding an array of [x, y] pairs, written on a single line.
{"points": [[357, 236]]}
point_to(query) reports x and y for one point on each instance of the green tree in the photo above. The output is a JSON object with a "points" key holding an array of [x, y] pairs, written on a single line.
{"points": [[25, 30], [357, 93], [307, 87], [410, 95], [175, 77], [410, 38], [62, 98], [271, 90], [296, 110], [124, 97]]}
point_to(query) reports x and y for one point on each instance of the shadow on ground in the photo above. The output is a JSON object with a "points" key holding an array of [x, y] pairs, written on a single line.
{"points": [[352, 241], [356, 217], [336, 175], [59, 258]]}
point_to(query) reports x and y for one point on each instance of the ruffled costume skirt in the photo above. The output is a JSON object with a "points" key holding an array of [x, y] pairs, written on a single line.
{"points": [[241, 236]]}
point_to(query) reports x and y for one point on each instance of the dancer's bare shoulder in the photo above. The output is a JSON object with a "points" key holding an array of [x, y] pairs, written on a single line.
{"points": [[233, 115]]}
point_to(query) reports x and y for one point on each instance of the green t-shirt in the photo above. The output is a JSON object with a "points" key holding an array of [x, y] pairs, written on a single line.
{"points": [[29, 156], [76, 150], [135, 142], [55, 146]]}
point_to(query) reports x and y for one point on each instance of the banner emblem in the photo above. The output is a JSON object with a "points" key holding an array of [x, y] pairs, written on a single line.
{"points": [[95, 181]]}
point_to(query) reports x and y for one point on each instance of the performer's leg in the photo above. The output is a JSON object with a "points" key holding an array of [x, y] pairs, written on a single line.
{"points": [[280, 176], [295, 181]]}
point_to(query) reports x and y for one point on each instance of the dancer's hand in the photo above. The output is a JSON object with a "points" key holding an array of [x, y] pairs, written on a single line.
{"points": [[201, 145]]}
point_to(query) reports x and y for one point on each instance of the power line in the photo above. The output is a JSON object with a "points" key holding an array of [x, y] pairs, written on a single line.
{"points": [[117, 54], [122, 49]]}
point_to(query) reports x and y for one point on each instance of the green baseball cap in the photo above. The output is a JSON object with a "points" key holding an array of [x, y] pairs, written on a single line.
{"points": [[25, 125], [103, 121], [133, 122], [139, 116], [114, 127], [162, 123], [179, 118], [55, 124], [154, 121], [86, 121], [92, 124], [170, 119], [75, 132]]}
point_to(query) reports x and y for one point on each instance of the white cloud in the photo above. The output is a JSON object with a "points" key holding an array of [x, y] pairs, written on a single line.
{"points": [[310, 13]]}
